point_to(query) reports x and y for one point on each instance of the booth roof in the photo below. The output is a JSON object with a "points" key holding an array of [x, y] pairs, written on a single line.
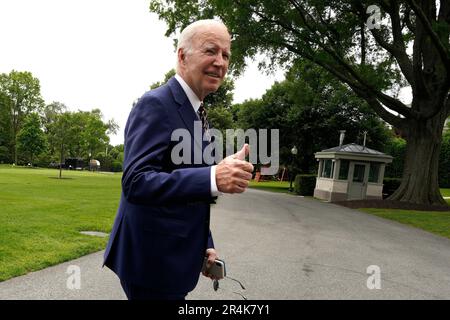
{"points": [[354, 148]]}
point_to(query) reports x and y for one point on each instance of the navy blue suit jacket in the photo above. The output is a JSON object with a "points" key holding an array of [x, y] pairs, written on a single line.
{"points": [[161, 230]]}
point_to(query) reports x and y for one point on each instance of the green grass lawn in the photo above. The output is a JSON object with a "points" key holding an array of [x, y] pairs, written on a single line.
{"points": [[41, 216], [445, 192], [431, 221], [274, 186]]}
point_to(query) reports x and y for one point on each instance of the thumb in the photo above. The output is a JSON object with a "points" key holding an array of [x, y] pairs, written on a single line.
{"points": [[241, 154]]}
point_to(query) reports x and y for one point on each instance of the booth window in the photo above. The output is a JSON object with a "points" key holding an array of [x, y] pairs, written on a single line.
{"points": [[327, 168], [374, 172], [343, 171]]}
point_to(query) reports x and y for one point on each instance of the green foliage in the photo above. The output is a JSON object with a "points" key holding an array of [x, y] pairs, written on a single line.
{"points": [[374, 62], [395, 147], [120, 157], [50, 114], [222, 98], [284, 32], [5, 130], [116, 166], [74, 134], [31, 139], [114, 153], [431, 221], [78, 134], [305, 184], [120, 147], [61, 136], [220, 118], [309, 108], [19, 96], [92, 135], [4, 152]]}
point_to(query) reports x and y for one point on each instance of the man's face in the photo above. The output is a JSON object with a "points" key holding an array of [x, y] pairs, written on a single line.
{"points": [[207, 64]]}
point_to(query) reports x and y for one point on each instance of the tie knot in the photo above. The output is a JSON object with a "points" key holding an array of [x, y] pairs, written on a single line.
{"points": [[201, 109]]}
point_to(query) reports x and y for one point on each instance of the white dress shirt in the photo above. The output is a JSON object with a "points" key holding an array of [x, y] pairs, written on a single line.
{"points": [[196, 102]]}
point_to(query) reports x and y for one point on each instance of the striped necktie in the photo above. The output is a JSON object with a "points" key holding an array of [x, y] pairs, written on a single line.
{"points": [[205, 125]]}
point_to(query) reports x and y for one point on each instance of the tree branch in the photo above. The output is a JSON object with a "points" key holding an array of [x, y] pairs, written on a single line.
{"points": [[400, 55], [397, 49], [407, 20], [383, 113], [360, 91], [390, 102], [443, 52]]}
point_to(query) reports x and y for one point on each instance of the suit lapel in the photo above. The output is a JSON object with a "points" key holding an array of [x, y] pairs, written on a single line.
{"points": [[186, 110]]}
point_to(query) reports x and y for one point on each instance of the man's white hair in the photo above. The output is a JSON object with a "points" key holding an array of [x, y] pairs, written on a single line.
{"points": [[186, 37]]}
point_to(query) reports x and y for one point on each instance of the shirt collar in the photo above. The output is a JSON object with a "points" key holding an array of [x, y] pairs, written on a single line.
{"points": [[193, 99]]}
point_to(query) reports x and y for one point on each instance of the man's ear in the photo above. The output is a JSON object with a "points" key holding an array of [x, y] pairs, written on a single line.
{"points": [[181, 56]]}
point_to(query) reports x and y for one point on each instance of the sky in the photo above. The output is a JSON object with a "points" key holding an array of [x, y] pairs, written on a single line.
{"points": [[97, 53]]}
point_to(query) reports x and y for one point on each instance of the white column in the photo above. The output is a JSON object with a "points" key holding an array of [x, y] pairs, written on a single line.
{"points": [[320, 168], [337, 167], [381, 173]]}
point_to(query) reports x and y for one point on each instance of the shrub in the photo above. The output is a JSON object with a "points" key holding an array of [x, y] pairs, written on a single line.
{"points": [[116, 166], [305, 184], [397, 149]]}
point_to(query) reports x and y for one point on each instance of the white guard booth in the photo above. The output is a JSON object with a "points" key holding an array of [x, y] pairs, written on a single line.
{"points": [[350, 172]]}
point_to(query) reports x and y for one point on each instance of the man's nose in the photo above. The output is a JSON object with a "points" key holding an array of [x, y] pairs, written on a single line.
{"points": [[219, 61]]}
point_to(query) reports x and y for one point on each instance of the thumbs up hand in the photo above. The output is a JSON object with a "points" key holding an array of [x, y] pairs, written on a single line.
{"points": [[233, 173], [241, 154]]}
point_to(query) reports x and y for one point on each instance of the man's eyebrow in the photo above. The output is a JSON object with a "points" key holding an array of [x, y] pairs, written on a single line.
{"points": [[209, 45]]}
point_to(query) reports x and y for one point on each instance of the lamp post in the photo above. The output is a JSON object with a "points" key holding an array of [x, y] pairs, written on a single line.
{"points": [[293, 152]]}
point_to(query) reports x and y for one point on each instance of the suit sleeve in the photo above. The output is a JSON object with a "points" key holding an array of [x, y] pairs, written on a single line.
{"points": [[210, 241], [147, 139]]}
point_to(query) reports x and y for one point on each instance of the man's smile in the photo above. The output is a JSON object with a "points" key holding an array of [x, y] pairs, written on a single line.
{"points": [[213, 75]]}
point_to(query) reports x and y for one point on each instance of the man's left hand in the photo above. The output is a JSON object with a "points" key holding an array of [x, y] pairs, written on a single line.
{"points": [[211, 254]]}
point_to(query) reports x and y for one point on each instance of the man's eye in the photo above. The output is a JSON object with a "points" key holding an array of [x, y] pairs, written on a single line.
{"points": [[210, 51], [226, 57]]}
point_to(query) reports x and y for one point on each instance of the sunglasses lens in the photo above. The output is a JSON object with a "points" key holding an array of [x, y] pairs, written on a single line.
{"points": [[216, 285]]}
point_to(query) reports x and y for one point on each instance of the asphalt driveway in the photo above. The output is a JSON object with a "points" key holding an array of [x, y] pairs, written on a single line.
{"points": [[285, 247]]}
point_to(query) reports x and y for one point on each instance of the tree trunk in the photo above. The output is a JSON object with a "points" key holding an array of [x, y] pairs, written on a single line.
{"points": [[420, 173]]}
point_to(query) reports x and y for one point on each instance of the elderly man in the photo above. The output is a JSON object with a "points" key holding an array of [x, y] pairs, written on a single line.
{"points": [[161, 233]]}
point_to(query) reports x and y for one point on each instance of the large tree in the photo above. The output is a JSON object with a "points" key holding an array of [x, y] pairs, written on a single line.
{"points": [[62, 135], [90, 133], [79, 134], [31, 139], [50, 113], [20, 95], [373, 46]]}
